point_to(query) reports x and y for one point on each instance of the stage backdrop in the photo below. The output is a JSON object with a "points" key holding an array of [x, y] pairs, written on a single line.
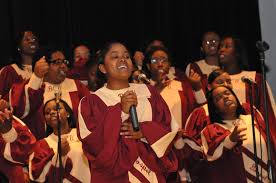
{"points": [[268, 29], [179, 23]]}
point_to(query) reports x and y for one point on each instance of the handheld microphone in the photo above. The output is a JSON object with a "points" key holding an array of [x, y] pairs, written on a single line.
{"points": [[57, 97], [62, 73], [134, 118], [248, 80], [142, 77], [262, 46]]}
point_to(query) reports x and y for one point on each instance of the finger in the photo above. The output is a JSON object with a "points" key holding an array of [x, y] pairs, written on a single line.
{"points": [[243, 139], [192, 72], [125, 128], [125, 133], [235, 129], [241, 130]]}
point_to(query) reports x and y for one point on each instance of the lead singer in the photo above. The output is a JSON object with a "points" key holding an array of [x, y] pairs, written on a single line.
{"points": [[116, 153]]}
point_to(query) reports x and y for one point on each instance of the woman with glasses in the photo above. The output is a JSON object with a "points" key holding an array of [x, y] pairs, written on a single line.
{"points": [[177, 94], [48, 81], [21, 69], [116, 152]]}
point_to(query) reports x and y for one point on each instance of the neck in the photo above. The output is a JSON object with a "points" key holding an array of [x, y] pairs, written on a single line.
{"points": [[117, 84], [64, 129], [212, 60], [232, 69], [27, 59], [230, 116]]}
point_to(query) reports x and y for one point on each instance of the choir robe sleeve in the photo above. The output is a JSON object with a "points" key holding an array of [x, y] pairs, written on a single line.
{"points": [[19, 143], [196, 122], [27, 97], [199, 95], [44, 164], [215, 140], [164, 125], [8, 76], [99, 130]]}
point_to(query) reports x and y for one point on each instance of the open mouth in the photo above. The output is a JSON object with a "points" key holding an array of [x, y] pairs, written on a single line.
{"points": [[221, 56], [228, 102], [212, 48], [122, 67]]}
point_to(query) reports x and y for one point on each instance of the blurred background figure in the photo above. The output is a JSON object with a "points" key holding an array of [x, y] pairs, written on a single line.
{"points": [[79, 71]]}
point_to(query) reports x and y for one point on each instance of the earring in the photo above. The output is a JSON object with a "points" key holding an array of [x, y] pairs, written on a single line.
{"points": [[68, 115], [18, 49]]}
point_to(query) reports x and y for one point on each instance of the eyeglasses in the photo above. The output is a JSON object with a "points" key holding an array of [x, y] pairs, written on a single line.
{"points": [[59, 62], [208, 42], [161, 59]]}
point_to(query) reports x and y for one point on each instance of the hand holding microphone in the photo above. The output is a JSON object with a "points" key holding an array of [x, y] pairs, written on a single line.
{"points": [[128, 104], [248, 80]]}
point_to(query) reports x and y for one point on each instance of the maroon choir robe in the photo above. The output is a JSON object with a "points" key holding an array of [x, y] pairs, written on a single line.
{"points": [[28, 99], [242, 91], [191, 151], [15, 147], [11, 74], [79, 72], [116, 159], [230, 161], [201, 67], [44, 164]]}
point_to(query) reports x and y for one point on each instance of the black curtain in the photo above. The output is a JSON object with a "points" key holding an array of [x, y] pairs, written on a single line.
{"points": [[179, 23]]}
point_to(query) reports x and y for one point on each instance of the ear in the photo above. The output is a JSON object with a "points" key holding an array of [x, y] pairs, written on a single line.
{"points": [[102, 68], [67, 114]]}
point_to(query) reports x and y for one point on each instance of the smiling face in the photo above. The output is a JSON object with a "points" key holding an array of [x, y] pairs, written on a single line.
{"points": [[58, 68], [117, 63], [224, 101], [29, 43], [50, 114], [210, 43]]}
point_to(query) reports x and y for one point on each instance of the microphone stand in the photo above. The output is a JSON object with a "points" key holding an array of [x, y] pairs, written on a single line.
{"points": [[60, 168], [262, 47], [251, 86]]}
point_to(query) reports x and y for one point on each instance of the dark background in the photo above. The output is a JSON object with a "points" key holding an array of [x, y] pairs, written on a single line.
{"points": [[180, 23]]}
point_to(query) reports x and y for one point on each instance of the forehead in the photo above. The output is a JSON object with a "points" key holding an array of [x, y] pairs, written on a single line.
{"points": [[81, 48], [228, 40], [28, 34], [52, 105], [57, 55], [117, 47], [210, 35], [223, 76], [159, 53], [219, 90]]}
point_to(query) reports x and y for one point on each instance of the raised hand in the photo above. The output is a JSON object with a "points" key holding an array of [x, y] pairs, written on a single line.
{"points": [[195, 80], [237, 134], [41, 67], [5, 120]]}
